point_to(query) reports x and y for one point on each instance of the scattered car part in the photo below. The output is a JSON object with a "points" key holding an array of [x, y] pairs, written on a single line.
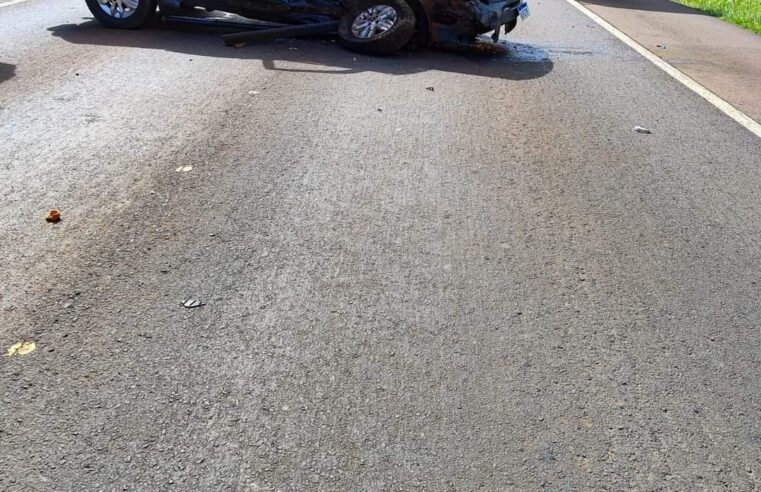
{"points": [[53, 216], [642, 129], [193, 303]]}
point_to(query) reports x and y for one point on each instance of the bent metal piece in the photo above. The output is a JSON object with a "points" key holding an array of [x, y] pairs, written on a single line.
{"points": [[281, 32], [221, 23]]}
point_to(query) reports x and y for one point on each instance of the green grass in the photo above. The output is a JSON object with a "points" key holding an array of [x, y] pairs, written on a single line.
{"points": [[745, 13]]}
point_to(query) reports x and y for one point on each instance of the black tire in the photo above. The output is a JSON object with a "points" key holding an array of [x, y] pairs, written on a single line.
{"points": [[143, 14], [386, 42]]}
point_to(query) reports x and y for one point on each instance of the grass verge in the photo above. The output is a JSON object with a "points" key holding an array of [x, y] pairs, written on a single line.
{"points": [[745, 13]]}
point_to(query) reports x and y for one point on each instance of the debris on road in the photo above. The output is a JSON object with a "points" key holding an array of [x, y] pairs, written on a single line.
{"points": [[22, 348], [642, 129], [184, 169], [429, 89], [661, 46], [193, 303], [254, 93], [53, 216]]}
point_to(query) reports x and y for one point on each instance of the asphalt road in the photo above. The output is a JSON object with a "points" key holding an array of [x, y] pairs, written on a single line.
{"points": [[493, 285]]}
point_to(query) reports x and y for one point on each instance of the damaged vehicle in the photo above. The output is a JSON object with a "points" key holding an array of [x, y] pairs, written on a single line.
{"points": [[375, 27]]}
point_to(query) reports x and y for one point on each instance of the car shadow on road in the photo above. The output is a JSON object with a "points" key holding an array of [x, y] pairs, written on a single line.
{"points": [[7, 71], [515, 62]]}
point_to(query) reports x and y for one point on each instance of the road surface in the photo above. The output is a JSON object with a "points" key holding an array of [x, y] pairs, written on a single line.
{"points": [[493, 285]]}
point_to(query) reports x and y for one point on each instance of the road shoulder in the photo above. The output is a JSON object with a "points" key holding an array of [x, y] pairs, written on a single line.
{"points": [[724, 58]]}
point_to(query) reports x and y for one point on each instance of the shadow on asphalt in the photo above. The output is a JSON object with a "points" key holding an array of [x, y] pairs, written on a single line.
{"points": [[650, 5], [521, 62], [7, 71]]}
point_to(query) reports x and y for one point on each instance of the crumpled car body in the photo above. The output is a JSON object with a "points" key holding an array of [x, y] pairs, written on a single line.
{"points": [[370, 26]]}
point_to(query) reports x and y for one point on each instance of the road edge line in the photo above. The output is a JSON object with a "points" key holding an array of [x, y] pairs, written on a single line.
{"points": [[743, 119], [12, 2]]}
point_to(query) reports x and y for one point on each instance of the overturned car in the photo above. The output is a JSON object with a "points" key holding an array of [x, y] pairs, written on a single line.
{"points": [[376, 27]]}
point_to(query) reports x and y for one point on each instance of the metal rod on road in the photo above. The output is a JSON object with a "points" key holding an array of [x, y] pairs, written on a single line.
{"points": [[280, 32]]}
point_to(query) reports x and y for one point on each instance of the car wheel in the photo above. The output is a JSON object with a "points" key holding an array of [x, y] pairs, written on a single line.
{"points": [[122, 14], [377, 27]]}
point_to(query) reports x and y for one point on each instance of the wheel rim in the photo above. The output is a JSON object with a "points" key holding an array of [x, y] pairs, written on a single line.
{"points": [[374, 21], [119, 9]]}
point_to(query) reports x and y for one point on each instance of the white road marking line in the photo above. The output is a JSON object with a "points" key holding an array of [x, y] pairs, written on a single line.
{"points": [[695, 87], [12, 2]]}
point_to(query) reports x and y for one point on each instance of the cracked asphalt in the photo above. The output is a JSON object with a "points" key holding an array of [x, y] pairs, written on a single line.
{"points": [[494, 285]]}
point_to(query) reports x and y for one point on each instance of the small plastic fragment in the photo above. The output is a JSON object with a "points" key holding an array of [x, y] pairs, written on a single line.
{"points": [[22, 348], [193, 303], [429, 89], [53, 216], [184, 169], [642, 129]]}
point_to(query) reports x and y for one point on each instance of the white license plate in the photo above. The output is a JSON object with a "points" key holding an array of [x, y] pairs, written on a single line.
{"points": [[523, 11]]}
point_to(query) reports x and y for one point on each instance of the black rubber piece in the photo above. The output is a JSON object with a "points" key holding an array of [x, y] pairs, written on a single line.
{"points": [[280, 32], [146, 10], [390, 41]]}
